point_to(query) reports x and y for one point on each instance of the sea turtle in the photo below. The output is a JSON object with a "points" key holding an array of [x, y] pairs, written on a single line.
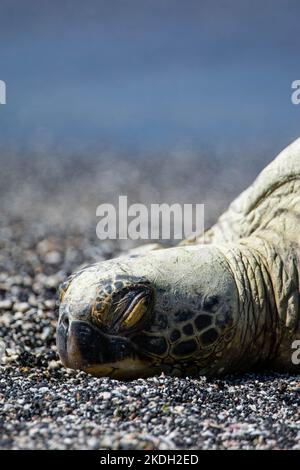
{"points": [[228, 301]]}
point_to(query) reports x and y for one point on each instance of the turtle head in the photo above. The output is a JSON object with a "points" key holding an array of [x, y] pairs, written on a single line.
{"points": [[101, 315], [170, 311]]}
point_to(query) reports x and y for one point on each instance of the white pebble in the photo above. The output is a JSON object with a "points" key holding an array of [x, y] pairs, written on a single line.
{"points": [[5, 304]]}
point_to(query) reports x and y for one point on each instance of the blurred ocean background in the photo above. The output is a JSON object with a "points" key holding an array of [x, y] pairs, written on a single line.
{"points": [[162, 100]]}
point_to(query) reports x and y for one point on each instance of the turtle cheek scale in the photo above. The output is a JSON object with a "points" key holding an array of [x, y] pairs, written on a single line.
{"points": [[86, 348]]}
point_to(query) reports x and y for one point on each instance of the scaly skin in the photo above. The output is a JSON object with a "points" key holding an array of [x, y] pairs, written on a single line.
{"points": [[224, 303]]}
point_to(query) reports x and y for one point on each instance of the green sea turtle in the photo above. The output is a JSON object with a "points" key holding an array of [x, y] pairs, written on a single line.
{"points": [[228, 301]]}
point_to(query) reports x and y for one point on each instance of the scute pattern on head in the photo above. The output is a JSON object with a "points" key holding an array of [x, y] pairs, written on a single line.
{"points": [[195, 333]]}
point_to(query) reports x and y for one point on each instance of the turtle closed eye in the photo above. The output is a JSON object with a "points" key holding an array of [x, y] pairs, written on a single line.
{"points": [[129, 309]]}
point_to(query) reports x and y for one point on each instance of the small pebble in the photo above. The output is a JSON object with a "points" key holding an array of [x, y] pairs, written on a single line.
{"points": [[53, 257], [5, 304], [21, 307]]}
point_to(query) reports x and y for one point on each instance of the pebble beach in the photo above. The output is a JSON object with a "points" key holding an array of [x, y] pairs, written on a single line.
{"points": [[47, 229]]}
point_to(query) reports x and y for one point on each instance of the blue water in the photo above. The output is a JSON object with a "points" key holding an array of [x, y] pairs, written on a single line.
{"points": [[149, 75]]}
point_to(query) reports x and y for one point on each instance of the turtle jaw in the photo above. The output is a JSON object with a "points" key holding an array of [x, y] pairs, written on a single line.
{"points": [[83, 346], [126, 369]]}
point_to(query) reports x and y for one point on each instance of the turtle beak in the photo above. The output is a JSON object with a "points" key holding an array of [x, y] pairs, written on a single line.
{"points": [[83, 346], [80, 344]]}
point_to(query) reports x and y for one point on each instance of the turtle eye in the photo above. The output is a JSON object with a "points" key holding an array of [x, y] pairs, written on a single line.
{"points": [[134, 312], [128, 309]]}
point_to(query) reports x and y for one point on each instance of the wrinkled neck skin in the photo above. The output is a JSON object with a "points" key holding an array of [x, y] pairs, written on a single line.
{"points": [[266, 278], [277, 265], [228, 294], [259, 237]]}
